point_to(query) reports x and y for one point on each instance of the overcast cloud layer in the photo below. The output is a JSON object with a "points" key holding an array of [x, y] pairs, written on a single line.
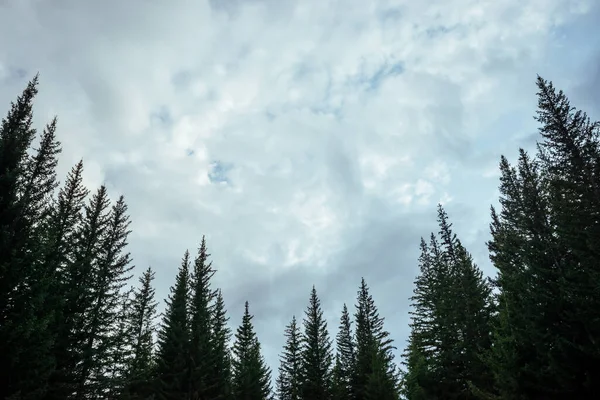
{"points": [[310, 140]]}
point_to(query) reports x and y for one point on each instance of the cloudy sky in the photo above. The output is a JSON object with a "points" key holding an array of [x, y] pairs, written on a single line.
{"points": [[309, 140]]}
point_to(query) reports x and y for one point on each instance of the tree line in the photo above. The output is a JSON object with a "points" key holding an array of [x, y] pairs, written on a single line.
{"points": [[72, 325]]}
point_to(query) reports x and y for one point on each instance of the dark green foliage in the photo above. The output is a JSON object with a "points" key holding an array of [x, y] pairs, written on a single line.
{"points": [[544, 247], [27, 183], [76, 331], [107, 264], [417, 376], [60, 246], [345, 359], [250, 374], [451, 322], [519, 248], [290, 373], [374, 372], [381, 383], [425, 354], [569, 153], [201, 354], [139, 326], [220, 374], [316, 353], [172, 363]]}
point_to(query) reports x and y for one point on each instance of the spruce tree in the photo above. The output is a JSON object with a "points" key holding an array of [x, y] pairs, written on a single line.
{"points": [[27, 183], [201, 356], [139, 330], [38, 186], [374, 372], [251, 376], [569, 154], [424, 354], [451, 321], [524, 250], [60, 246], [110, 270], [345, 359], [416, 378], [542, 246], [79, 287], [16, 135], [472, 310], [475, 322], [289, 380], [316, 353], [114, 378], [220, 375], [172, 363]]}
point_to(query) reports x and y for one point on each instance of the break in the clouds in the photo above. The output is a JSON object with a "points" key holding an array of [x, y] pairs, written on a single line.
{"points": [[309, 140]]}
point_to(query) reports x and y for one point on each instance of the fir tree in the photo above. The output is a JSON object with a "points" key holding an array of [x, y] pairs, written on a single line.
{"points": [[173, 340], [201, 354], [110, 271], [38, 186], [220, 376], [60, 247], [472, 311], [251, 376], [316, 353], [547, 263], [114, 378], [424, 355], [139, 328], [289, 380], [451, 321], [27, 183], [374, 372], [79, 287], [345, 359], [417, 376], [523, 250], [569, 154]]}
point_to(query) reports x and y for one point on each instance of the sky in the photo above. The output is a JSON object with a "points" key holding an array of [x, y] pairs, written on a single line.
{"points": [[310, 141]]}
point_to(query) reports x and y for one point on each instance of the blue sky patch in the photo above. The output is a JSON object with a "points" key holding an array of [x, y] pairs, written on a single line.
{"points": [[218, 172]]}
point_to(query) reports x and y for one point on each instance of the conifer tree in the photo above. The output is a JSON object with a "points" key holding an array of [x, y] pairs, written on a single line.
{"points": [[416, 378], [38, 186], [220, 378], [200, 353], [337, 385], [173, 340], [470, 295], [113, 381], [569, 154], [374, 372], [451, 321], [60, 246], [345, 359], [139, 330], [251, 376], [316, 353], [75, 340], [109, 271], [523, 249], [547, 265], [429, 341], [27, 183], [79, 287], [289, 380]]}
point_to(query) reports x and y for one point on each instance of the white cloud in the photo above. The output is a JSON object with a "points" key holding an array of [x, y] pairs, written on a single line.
{"points": [[343, 122]]}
